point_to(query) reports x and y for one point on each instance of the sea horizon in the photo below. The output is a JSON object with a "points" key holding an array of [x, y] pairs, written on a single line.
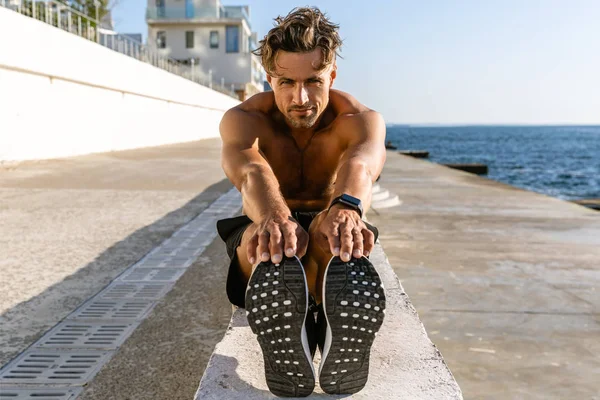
{"points": [[469, 125], [557, 160]]}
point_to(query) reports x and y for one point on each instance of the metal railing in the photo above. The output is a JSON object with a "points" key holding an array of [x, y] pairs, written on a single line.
{"points": [[66, 18], [56, 14], [236, 12], [181, 12], [189, 11]]}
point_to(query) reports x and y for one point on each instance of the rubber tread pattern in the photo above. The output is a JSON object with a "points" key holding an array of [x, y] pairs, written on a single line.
{"points": [[353, 291], [288, 372]]}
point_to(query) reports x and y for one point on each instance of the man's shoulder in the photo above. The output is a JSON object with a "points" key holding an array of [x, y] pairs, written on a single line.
{"points": [[260, 103], [253, 110], [345, 104], [349, 111], [248, 120]]}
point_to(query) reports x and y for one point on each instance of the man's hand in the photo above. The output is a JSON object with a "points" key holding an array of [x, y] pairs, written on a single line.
{"points": [[276, 234], [344, 233]]}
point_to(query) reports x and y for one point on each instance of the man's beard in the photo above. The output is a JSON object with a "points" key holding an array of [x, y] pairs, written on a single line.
{"points": [[304, 122]]}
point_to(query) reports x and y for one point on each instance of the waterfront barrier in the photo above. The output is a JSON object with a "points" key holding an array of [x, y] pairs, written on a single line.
{"points": [[594, 204], [415, 153], [479, 169]]}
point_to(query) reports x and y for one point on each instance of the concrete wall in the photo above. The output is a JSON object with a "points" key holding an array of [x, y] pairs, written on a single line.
{"points": [[62, 95]]}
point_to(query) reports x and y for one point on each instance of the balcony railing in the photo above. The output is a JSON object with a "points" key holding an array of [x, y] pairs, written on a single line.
{"points": [[188, 11], [184, 12], [236, 12]]}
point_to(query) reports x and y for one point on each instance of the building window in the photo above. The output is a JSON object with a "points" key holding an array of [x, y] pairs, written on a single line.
{"points": [[232, 39], [189, 9], [189, 40], [161, 40], [160, 8], [214, 39]]}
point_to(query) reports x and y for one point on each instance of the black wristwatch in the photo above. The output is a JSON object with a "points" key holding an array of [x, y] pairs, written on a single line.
{"points": [[349, 201]]}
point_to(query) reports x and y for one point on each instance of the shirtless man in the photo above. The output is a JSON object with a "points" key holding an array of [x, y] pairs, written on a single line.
{"points": [[304, 158]]}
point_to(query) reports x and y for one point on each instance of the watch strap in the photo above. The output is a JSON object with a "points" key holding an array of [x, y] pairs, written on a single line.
{"points": [[349, 201]]}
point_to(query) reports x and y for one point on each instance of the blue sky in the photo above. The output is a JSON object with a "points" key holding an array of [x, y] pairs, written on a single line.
{"points": [[455, 61]]}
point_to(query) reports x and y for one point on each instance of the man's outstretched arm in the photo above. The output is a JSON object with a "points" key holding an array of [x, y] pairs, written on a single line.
{"points": [[362, 162], [262, 200]]}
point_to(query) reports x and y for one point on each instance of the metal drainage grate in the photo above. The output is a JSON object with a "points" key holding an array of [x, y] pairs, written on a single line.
{"points": [[156, 261], [39, 394], [152, 274], [65, 355], [137, 291], [179, 262], [55, 367], [163, 261], [191, 251], [74, 334], [113, 309]]}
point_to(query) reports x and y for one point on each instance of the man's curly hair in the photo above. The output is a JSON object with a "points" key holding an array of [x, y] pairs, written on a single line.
{"points": [[303, 30]]}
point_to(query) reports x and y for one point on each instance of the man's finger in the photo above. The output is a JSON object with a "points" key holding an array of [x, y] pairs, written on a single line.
{"points": [[263, 246], [276, 245], [346, 242], [302, 244], [369, 241], [251, 249], [289, 239], [333, 238], [357, 249]]}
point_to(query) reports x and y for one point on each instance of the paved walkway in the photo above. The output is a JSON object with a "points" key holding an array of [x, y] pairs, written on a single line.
{"points": [[70, 226], [506, 281]]}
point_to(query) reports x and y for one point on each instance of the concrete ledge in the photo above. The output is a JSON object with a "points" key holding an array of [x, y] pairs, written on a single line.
{"points": [[404, 362], [415, 153], [594, 204], [479, 169]]}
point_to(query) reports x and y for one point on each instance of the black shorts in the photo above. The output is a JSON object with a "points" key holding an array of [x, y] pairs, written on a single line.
{"points": [[231, 231]]}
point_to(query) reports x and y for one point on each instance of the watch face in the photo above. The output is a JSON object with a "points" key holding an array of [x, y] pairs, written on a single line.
{"points": [[350, 199]]}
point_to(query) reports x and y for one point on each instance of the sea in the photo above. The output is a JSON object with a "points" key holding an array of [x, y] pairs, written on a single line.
{"points": [[559, 161]]}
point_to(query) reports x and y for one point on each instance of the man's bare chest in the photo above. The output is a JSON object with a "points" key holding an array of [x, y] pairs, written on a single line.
{"points": [[306, 169]]}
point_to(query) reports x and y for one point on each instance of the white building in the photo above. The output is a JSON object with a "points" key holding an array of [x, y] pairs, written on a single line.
{"points": [[216, 39]]}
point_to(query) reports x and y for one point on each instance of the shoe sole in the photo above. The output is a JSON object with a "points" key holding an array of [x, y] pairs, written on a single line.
{"points": [[353, 303], [276, 306]]}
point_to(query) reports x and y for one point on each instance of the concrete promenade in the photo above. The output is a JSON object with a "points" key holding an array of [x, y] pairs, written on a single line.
{"points": [[505, 280], [70, 226]]}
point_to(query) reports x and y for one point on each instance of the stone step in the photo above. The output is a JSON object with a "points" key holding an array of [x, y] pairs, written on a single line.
{"points": [[387, 203], [381, 195]]}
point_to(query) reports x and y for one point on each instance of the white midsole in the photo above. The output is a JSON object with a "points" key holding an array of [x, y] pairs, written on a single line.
{"points": [[303, 336], [327, 344]]}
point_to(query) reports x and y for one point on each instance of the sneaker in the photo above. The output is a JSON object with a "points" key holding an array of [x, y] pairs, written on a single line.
{"points": [[277, 311], [353, 310]]}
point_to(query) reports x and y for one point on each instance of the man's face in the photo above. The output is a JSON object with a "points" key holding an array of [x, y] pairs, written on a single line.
{"points": [[301, 91]]}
